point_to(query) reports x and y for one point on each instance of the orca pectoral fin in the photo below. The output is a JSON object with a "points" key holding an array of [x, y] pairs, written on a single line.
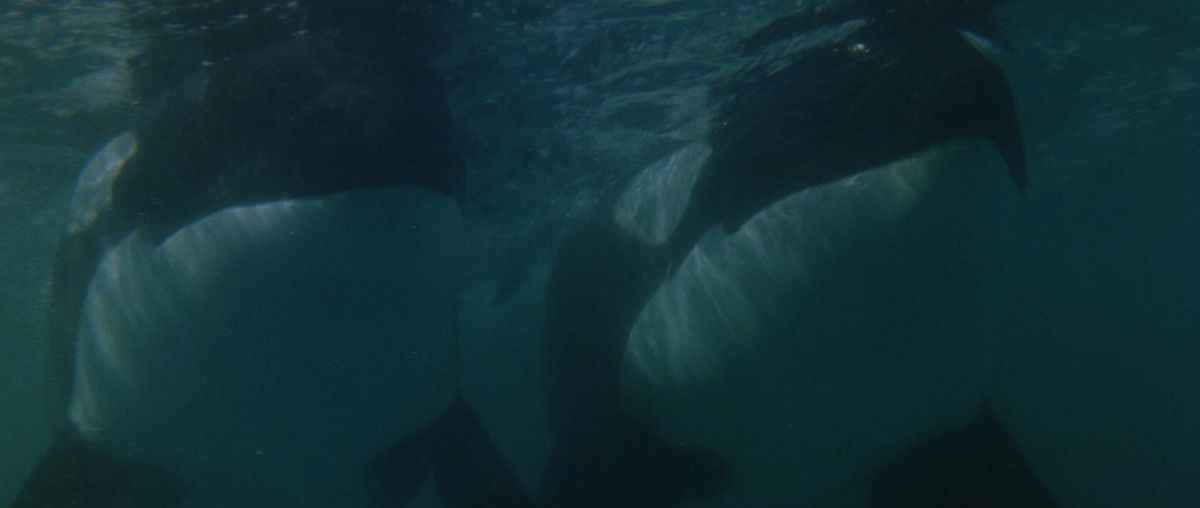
{"points": [[978, 465], [394, 477], [76, 474], [471, 472]]}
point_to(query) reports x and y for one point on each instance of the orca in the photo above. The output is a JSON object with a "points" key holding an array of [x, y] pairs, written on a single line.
{"points": [[953, 467], [903, 79], [685, 283], [255, 300]]}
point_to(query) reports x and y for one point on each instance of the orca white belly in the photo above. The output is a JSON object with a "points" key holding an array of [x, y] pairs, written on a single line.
{"points": [[824, 335], [851, 320], [275, 347]]}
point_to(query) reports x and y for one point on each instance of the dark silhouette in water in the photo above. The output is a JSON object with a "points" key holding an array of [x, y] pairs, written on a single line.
{"points": [[978, 465], [73, 473], [346, 108], [905, 81], [601, 456], [469, 471], [902, 80]]}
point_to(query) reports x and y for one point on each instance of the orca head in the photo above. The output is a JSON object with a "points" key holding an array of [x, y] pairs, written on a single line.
{"points": [[825, 94], [977, 100], [302, 118], [970, 15]]}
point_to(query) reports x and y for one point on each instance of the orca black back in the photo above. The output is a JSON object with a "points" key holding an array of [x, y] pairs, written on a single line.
{"points": [[896, 83]]}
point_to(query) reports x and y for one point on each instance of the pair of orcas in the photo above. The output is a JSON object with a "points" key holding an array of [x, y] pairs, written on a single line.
{"points": [[256, 298]]}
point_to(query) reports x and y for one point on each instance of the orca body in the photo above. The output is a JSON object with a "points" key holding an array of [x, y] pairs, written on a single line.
{"points": [[256, 298], [673, 311]]}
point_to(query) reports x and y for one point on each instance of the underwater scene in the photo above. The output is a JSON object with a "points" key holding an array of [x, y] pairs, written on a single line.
{"points": [[599, 253]]}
